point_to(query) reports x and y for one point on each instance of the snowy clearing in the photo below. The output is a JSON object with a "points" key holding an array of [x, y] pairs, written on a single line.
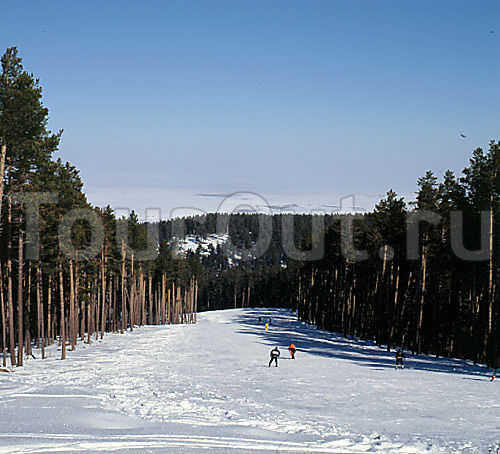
{"points": [[208, 388]]}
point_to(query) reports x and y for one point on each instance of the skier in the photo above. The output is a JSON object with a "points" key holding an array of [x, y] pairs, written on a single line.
{"points": [[274, 356], [266, 326], [260, 319], [400, 356], [497, 368], [292, 350]]}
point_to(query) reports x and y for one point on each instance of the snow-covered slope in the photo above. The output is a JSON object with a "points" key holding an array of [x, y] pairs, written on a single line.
{"points": [[193, 242], [208, 388]]}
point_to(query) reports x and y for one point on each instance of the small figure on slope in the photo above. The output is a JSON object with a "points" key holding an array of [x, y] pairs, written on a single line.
{"points": [[275, 353], [266, 326], [497, 368], [292, 350], [400, 356], [260, 319]]}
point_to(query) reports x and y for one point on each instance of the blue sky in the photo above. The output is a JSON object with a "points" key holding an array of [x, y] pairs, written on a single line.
{"points": [[303, 101]]}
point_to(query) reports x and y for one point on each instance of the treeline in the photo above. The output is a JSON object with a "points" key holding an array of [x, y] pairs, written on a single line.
{"points": [[234, 275], [422, 275], [56, 282], [245, 230], [429, 279]]}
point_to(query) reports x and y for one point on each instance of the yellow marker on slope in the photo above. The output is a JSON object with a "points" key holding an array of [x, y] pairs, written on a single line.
{"points": [[267, 327]]}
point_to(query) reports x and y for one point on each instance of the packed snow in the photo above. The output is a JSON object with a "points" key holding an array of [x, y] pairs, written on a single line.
{"points": [[208, 388]]}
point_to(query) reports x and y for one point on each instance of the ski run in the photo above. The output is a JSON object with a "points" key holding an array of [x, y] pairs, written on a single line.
{"points": [[208, 388]]}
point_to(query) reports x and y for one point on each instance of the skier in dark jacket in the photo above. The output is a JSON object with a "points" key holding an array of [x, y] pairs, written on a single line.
{"points": [[400, 356], [274, 356], [497, 368]]}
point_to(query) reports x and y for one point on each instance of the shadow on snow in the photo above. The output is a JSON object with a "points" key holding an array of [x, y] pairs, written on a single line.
{"points": [[284, 330]]}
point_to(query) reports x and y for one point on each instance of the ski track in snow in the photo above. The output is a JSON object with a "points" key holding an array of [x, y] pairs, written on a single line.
{"points": [[207, 387]]}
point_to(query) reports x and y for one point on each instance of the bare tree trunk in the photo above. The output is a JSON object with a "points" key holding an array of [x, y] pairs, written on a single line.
{"points": [[150, 299], [41, 317], [20, 306], [3, 154], [174, 306], [195, 301], [96, 309], [184, 306], [178, 305], [103, 292], [4, 324], [38, 303], [422, 297], [109, 305], [142, 298], [112, 287], [156, 303], [123, 299], [352, 316], [170, 306], [190, 302], [89, 322], [132, 294], [249, 291], [80, 303], [62, 315], [491, 287], [27, 324], [72, 327], [49, 310], [90, 314], [395, 312], [10, 303], [163, 301]]}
